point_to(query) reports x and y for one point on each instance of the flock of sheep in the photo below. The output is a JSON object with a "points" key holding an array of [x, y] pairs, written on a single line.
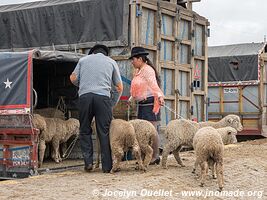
{"points": [[207, 139]]}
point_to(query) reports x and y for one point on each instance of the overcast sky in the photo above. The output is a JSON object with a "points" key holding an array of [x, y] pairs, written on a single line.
{"points": [[231, 21]]}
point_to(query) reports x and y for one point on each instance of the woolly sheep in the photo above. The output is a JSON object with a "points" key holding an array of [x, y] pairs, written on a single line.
{"points": [[146, 135], [122, 139], [208, 146], [180, 132], [228, 135], [56, 131]]}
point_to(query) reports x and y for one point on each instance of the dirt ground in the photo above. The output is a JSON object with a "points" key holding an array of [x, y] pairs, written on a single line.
{"points": [[245, 169]]}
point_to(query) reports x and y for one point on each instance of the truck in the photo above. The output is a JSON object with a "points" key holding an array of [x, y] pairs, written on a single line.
{"points": [[237, 85], [63, 31]]}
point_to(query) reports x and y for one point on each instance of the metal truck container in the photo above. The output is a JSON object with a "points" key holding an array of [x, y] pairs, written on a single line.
{"points": [[237, 85]]}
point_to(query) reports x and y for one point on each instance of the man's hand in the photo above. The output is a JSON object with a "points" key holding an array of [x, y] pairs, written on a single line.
{"points": [[73, 79]]}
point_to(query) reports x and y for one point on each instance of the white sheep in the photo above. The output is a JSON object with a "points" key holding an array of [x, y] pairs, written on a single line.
{"points": [[228, 135], [146, 135], [122, 139], [208, 146], [56, 131], [180, 132]]}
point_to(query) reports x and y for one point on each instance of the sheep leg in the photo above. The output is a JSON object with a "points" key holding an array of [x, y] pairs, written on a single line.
{"points": [[63, 148], [42, 147], [55, 154], [137, 154], [177, 156], [204, 168], [219, 172], [166, 151], [212, 167], [195, 165], [117, 155], [148, 156]]}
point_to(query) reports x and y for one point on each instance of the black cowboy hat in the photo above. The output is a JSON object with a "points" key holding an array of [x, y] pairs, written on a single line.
{"points": [[99, 46], [138, 51]]}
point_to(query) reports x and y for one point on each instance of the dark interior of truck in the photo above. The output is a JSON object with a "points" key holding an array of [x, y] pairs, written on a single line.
{"points": [[52, 85]]}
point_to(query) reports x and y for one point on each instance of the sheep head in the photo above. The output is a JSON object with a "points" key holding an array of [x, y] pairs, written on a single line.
{"points": [[231, 136], [233, 121], [73, 125]]}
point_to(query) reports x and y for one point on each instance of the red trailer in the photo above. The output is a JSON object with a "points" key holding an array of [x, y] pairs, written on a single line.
{"points": [[18, 138]]}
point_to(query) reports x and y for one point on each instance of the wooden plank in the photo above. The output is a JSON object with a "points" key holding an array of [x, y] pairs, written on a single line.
{"points": [[132, 25], [169, 97], [202, 58], [153, 48], [185, 67], [186, 42], [205, 71], [149, 6], [171, 13], [199, 92], [221, 99], [240, 99], [169, 38], [187, 18], [167, 64], [184, 98]]}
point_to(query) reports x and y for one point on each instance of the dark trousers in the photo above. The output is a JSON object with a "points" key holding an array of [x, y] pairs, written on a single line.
{"points": [[98, 106]]}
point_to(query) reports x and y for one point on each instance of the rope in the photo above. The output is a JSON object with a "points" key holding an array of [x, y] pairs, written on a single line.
{"points": [[72, 144], [168, 108]]}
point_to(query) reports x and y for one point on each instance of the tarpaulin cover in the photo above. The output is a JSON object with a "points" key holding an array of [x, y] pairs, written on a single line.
{"points": [[61, 23], [58, 56], [234, 62], [234, 68], [15, 80]]}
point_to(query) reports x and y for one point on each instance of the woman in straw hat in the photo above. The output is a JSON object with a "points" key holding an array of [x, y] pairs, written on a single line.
{"points": [[146, 91]]}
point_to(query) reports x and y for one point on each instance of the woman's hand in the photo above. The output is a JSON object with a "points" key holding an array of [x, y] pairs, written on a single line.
{"points": [[161, 100]]}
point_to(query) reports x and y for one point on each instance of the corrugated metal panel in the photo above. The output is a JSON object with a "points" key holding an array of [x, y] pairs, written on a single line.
{"points": [[167, 25], [199, 35], [167, 81], [251, 99], [126, 71], [166, 50], [184, 27], [198, 108], [231, 99], [166, 114], [214, 95], [183, 80], [148, 27], [183, 54], [152, 56], [183, 109]]}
